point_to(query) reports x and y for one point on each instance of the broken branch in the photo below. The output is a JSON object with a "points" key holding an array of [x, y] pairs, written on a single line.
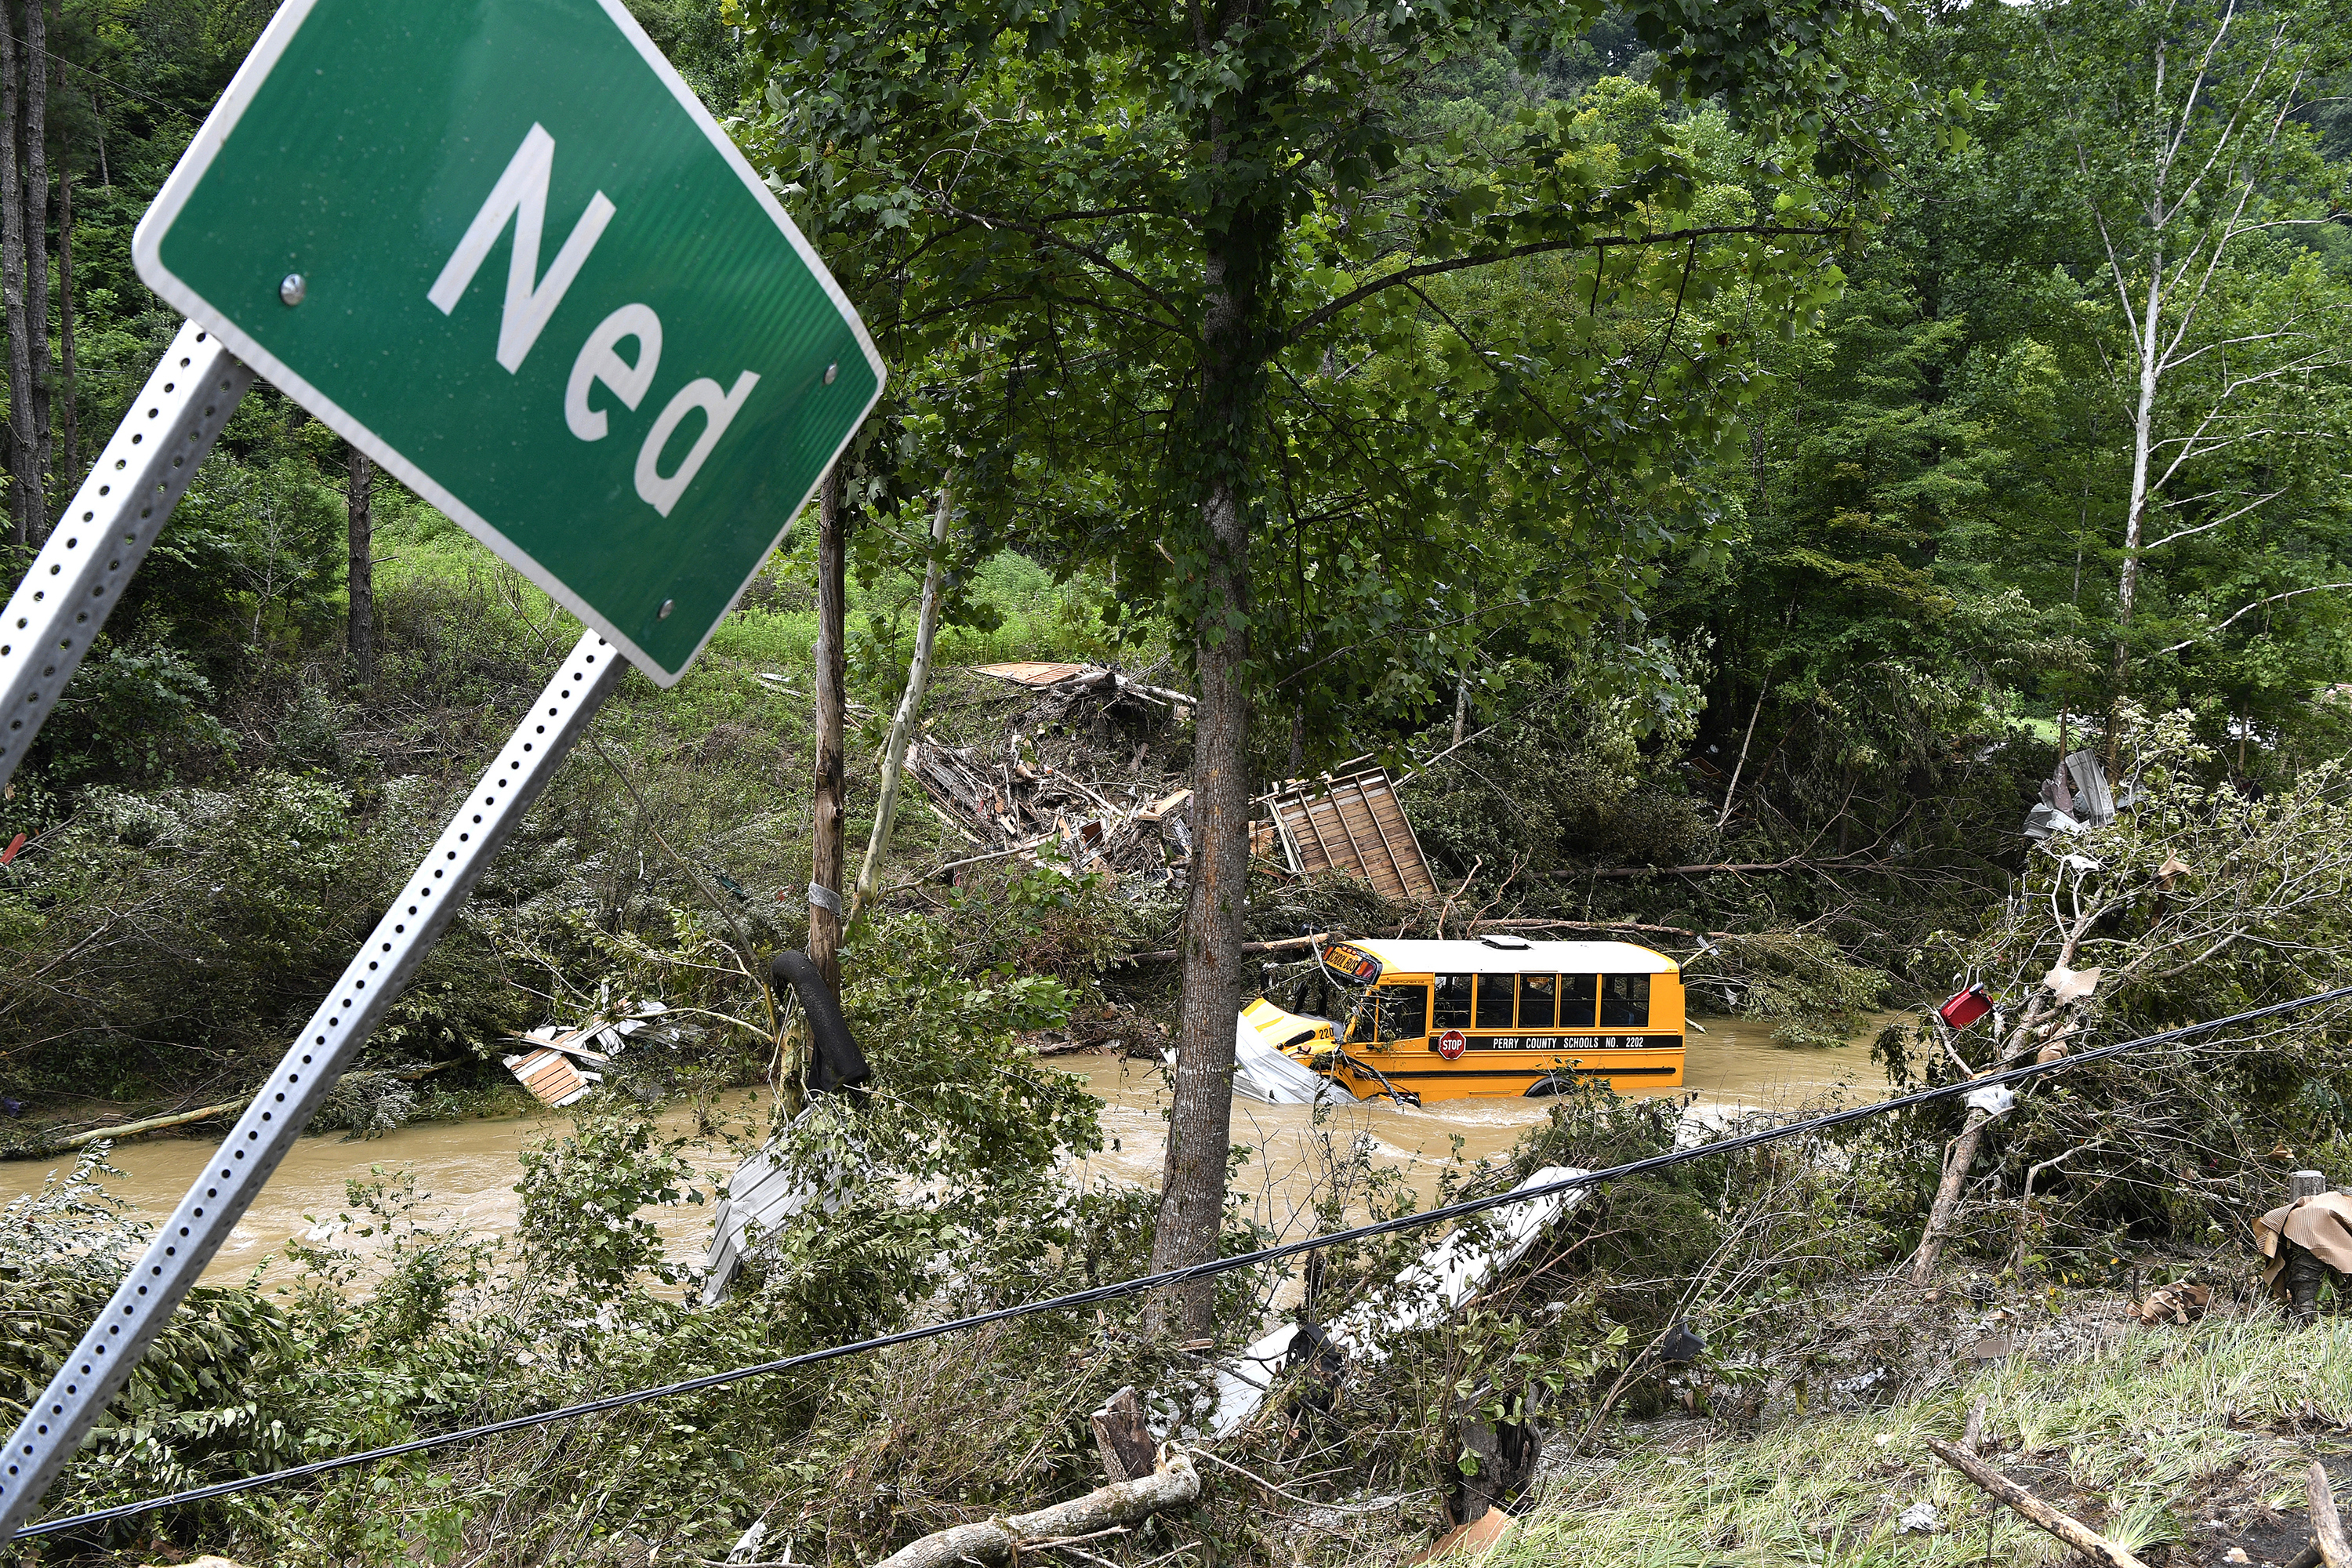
{"points": [[2039, 1514], [1176, 1486], [2327, 1525]]}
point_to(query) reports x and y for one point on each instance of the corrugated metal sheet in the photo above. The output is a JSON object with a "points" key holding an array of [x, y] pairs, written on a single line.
{"points": [[1355, 823]]}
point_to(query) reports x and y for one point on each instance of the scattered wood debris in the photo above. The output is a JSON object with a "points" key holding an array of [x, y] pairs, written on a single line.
{"points": [[1074, 678], [1350, 820], [1015, 805], [553, 1068]]}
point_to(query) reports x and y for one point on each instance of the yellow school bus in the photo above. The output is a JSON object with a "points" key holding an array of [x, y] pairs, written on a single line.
{"points": [[1498, 1017]]}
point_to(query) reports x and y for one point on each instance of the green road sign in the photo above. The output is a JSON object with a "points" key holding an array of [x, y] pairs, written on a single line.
{"points": [[500, 247]]}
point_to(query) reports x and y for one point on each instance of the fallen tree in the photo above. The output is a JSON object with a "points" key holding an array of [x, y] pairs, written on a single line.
{"points": [[1176, 1484]]}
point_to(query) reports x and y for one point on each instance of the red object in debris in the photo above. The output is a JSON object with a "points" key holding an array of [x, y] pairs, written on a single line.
{"points": [[1450, 1045], [10, 853], [1966, 1008]]}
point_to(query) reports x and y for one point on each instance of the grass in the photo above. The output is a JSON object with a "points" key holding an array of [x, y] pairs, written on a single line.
{"points": [[2157, 1431]]}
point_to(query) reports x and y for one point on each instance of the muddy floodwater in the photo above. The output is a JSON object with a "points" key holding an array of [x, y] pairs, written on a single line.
{"points": [[465, 1171]]}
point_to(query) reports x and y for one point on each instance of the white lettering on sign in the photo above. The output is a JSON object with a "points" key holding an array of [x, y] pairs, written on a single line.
{"points": [[521, 193], [718, 411], [598, 362]]}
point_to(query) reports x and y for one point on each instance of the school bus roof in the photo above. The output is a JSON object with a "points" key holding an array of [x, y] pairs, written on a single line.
{"points": [[1410, 957]]}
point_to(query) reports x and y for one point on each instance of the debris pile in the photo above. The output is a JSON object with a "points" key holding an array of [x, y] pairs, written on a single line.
{"points": [[561, 1065], [1047, 788], [1020, 796], [2075, 797]]}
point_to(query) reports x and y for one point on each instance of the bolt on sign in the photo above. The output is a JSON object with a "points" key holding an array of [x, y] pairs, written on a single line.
{"points": [[503, 249]]}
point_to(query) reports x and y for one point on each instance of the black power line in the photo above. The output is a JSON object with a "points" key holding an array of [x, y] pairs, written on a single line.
{"points": [[1171, 1277]]}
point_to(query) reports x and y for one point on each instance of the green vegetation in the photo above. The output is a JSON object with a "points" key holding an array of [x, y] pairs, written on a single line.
{"points": [[2144, 1432], [1716, 449]]}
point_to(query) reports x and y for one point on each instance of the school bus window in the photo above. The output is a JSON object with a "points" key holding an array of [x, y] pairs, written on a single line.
{"points": [[1404, 1011], [1538, 999], [1577, 995], [1625, 1001], [1453, 1002], [1494, 1001]]}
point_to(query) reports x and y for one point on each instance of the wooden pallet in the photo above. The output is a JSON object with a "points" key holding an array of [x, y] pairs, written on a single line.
{"points": [[1353, 822]]}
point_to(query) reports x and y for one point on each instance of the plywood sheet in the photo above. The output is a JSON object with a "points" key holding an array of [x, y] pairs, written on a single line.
{"points": [[1034, 673]]}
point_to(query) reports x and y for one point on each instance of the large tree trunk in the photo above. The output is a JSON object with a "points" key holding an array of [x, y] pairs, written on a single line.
{"points": [[831, 701], [23, 446], [70, 375], [36, 247], [359, 506], [1192, 1185], [902, 725]]}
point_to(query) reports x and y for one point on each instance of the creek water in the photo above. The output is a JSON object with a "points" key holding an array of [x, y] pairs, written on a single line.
{"points": [[465, 1172]]}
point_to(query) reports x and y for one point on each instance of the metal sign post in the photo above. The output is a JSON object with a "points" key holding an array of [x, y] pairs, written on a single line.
{"points": [[428, 902], [99, 540]]}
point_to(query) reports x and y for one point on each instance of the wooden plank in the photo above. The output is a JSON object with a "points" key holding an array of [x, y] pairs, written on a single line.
{"points": [[1414, 865], [1362, 809], [1372, 812], [1306, 809], [1033, 673]]}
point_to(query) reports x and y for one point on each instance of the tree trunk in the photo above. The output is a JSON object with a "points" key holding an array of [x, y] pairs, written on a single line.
{"points": [[2136, 514], [37, 248], [359, 505], [70, 473], [902, 725], [1200, 1134], [1192, 1185], [1962, 1157], [22, 447], [1004, 1539], [825, 792]]}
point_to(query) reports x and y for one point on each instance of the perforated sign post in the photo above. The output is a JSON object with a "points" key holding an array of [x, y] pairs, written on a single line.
{"points": [[502, 248]]}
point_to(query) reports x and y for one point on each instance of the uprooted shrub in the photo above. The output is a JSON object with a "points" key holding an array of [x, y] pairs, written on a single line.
{"points": [[2196, 902]]}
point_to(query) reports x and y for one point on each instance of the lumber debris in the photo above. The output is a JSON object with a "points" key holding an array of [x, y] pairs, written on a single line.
{"points": [[1175, 1484], [553, 1068], [2036, 1512], [1350, 820]]}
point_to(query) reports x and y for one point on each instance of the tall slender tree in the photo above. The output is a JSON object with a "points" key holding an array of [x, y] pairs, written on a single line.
{"points": [[25, 486], [828, 806], [33, 138], [1166, 206]]}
